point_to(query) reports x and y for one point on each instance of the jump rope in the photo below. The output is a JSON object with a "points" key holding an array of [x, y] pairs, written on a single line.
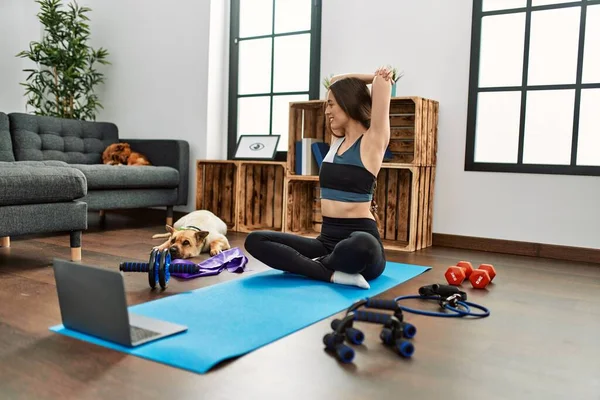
{"points": [[449, 298]]}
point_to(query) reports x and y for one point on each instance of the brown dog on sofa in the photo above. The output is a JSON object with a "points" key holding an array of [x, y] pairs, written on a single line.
{"points": [[121, 154]]}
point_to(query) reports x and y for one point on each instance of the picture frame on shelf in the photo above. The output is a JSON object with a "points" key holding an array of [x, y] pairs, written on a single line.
{"points": [[256, 147]]}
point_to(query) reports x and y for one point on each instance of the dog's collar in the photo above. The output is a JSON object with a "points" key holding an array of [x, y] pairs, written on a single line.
{"points": [[189, 228]]}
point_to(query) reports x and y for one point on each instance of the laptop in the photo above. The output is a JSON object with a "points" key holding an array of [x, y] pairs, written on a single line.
{"points": [[92, 301]]}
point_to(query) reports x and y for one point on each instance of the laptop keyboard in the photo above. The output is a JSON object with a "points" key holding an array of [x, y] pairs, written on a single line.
{"points": [[141, 333]]}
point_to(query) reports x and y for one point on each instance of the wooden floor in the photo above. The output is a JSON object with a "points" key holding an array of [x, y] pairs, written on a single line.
{"points": [[542, 340]]}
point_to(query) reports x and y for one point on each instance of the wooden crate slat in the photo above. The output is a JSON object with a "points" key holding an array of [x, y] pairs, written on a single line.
{"points": [[405, 177], [425, 211], [257, 194], [317, 218], [420, 226], [380, 199], [432, 125], [289, 207], [310, 201], [427, 134], [402, 106], [418, 131], [296, 195], [222, 196], [402, 132], [218, 173], [309, 210], [278, 205], [430, 213], [396, 245], [435, 132], [302, 206], [200, 181], [268, 203], [402, 146], [400, 120], [414, 208], [208, 205], [230, 193], [402, 158], [391, 205], [429, 137], [247, 182]]}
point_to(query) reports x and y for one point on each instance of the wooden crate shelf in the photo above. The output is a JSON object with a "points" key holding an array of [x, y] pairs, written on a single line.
{"points": [[405, 207], [268, 195], [246, 195], [252, 196], [413, 131], [216, 189], [260, 196], [413, 125], [302, 212], [404, 196], [306, 120]]}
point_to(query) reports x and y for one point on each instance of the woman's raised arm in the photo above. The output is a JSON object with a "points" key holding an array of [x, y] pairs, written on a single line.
{"points": [[381, 94]]}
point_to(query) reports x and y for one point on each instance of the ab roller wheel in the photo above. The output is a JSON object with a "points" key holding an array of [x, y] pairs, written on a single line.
{"points": [[152, 269], [159, 268]]}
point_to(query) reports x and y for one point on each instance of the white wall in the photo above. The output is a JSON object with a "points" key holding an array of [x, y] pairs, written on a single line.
{"points": [[218, 81], [157, 84], [430, 40], [17, 30]]}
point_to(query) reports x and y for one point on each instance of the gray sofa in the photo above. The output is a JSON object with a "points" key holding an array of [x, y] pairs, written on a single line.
{"points": [[51, 175]]}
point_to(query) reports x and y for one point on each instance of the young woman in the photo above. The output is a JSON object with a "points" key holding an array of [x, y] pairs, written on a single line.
{"points": [[348, 250]]}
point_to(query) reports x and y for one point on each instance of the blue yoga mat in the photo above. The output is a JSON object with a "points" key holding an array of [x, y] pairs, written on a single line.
{"points": [[236, 317]]}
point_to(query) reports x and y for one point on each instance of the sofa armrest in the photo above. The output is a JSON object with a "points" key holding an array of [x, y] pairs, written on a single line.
{"points": [[167, 153]]}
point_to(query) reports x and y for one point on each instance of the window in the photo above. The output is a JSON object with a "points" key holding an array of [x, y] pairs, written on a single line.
{"points": [[534, 90], [274, 60]]}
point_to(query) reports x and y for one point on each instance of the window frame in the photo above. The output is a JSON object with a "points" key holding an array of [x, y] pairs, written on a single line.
{"points": [[314, 78], [474, 90]]}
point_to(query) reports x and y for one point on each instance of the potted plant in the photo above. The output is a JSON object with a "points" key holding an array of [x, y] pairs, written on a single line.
{"points": [[64, 82]]}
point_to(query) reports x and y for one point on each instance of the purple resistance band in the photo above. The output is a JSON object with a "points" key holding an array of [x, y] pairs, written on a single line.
{"points": [[232, 260]]}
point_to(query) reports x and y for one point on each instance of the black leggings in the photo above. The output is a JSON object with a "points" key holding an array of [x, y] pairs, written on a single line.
{"points": [[350, 245]]}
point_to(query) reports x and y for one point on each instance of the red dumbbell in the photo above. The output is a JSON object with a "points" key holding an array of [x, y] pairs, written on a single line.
{"points": [[456, 274], [467, 267], [490, 270], [479, 278], [482, 276]]}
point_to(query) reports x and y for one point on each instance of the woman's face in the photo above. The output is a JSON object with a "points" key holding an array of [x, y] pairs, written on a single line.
{"points": [[335, 115]]}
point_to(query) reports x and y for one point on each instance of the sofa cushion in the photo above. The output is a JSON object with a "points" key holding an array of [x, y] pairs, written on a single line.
{"points": [[40, 138], [33, 183], [104, 176], [6, 150]]}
